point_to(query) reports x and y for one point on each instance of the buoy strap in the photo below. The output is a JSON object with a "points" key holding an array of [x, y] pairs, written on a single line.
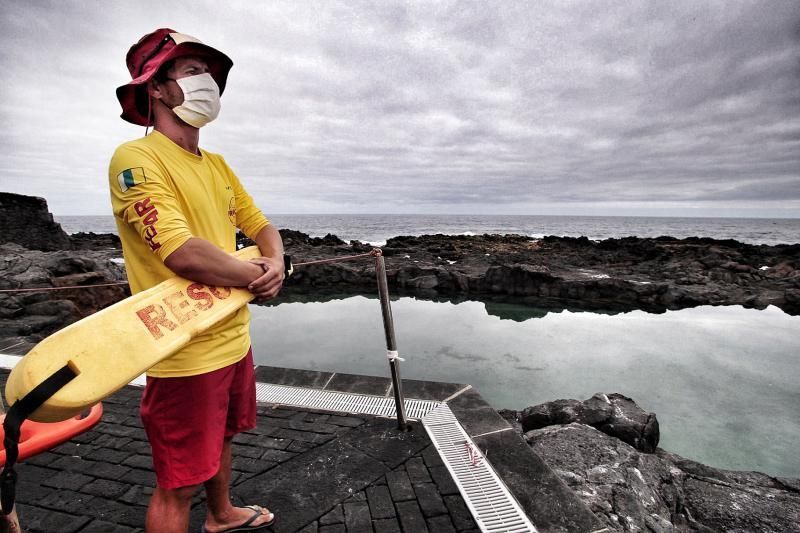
{"points": [[16, 415]]}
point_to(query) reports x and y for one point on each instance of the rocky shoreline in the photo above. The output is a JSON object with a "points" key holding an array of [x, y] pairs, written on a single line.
{"points": [[606, 450], [613, 275]]}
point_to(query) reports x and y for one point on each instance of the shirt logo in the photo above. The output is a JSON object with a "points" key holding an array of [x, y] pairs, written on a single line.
{"points": [[130, 178], [148, 213], [232, 211]]}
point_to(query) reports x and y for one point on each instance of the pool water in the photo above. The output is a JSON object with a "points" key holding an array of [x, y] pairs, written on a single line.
{"points": [[722, 380]]}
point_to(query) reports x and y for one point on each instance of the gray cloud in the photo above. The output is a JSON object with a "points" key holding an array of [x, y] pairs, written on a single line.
{"points": [[447, 107]]}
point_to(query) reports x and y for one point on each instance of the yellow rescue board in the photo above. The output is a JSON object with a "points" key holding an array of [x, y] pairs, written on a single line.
{"points": [[112, 347]]}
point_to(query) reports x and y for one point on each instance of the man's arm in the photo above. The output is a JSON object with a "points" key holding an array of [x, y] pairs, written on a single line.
{"points": [[199, 260]]}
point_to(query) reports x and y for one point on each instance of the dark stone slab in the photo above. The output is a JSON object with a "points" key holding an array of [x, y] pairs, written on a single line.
{"points": [[278, 456], [336, 528], [380, 502], [303, 436], [262, 441], [444, 481], [400, 486], [387, 525], [137, 495], [108, 455], [300, 491], [360, 496], [429, 499], [251, 466], [441, 524], [380, 438], [429, 390], [417, 472], [46, 520], [114, 511], [139, 461], [300, 447], [432, 457], [34, 473], [251, 452], [411, 518], [310, 528], [67, 480], [106, 488], [544, 497], [101, 526], [357, 518], [475, 414], [359, 384], [67, 501], [293, 377], [276, 411], [334, 516], [146, 478], [315, 417], [345, 421], [459, 513]]}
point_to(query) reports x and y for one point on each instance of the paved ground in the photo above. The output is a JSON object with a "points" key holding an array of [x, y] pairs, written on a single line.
{"points": [[319, 472]]}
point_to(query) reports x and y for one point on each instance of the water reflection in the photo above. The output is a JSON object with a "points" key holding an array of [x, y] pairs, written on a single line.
{"points": [[723, 380]]}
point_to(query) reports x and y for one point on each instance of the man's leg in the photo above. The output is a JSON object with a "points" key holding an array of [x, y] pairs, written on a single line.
{"points": [[168, 511], [221, 513]]}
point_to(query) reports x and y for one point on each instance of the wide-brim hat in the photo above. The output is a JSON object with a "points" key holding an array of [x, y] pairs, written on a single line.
{"points": [[149, 54]]}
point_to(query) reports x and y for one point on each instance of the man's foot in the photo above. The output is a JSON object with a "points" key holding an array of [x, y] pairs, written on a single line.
{"points": [[248, 518]]}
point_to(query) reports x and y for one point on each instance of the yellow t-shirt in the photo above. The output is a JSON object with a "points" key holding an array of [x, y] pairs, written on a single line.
{"points": [[162, 196]]}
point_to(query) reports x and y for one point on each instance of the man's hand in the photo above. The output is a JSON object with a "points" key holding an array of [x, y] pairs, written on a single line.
{"points": [[269, 284]]}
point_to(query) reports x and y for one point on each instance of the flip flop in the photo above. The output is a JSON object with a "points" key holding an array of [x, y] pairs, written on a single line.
{"points": [[246, 526]]}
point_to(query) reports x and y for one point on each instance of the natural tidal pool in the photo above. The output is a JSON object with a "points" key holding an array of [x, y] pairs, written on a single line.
{"points": [[722, 380]]}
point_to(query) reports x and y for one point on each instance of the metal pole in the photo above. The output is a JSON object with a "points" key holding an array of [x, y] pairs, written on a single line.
{"points": [[391, 344]]}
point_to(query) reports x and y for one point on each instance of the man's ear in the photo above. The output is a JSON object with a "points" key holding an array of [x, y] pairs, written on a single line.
{"points": [[154, 89]]}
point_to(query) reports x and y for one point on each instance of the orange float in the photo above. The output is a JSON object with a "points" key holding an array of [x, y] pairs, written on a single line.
{"points": [[38, 437]]}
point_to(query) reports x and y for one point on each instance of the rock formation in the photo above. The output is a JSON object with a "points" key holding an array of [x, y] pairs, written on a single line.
{"points": [[613, 275], [28, 317], [26, 221], [660, 492]]}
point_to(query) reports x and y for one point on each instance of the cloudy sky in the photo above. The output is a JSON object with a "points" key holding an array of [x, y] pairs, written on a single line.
{"points": [[662, 108]]}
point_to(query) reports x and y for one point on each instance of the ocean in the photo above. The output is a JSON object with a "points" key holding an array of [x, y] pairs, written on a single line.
{"points": [[376, 229]]}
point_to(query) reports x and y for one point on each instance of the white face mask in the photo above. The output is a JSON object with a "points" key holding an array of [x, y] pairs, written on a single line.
{"points": [[200, 100]]}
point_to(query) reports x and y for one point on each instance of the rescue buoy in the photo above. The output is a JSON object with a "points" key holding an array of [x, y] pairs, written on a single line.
{"points": [[108, 349]]}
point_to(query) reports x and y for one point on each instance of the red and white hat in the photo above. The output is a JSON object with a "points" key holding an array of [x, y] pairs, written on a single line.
{"points": [[146, 57]]}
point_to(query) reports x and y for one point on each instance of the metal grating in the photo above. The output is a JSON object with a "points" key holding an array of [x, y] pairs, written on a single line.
{"points": [[493, 507], [488, 499], [342, 402]]}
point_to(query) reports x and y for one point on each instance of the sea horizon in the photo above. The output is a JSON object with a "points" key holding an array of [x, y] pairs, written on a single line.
{"points": [[376, 229]]}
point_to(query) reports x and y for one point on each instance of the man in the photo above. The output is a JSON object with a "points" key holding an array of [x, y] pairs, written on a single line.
{"points": [[177, 208]]}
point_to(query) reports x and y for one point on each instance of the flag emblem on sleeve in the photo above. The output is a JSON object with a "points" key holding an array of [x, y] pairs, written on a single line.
{"points": [[130, 178]]}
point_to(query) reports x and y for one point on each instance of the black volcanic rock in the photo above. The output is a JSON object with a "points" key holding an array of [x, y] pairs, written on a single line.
{"points": [[26, 221], [613, 275], [95, 241], [31, 316], [605, 450], [662, 491], [613, 414]]}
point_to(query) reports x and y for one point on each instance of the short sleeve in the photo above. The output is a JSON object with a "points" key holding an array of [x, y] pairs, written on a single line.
{"points": [[142, 197], [249, 218]]}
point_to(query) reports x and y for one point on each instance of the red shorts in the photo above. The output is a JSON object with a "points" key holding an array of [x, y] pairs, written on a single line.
{"points": [[187, 419]]}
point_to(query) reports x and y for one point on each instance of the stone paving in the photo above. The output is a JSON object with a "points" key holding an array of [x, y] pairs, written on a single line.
{"points": [[318, 471]]}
